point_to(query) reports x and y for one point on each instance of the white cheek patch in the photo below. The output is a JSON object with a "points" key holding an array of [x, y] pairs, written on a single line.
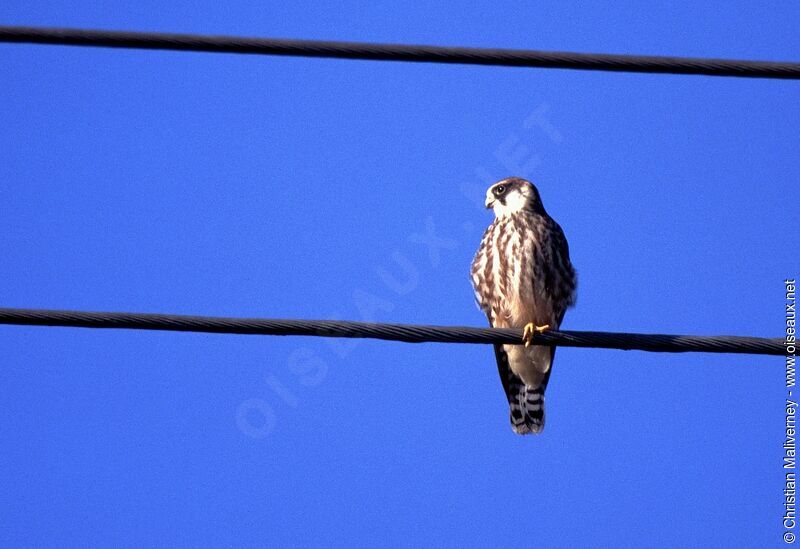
{"points": [[514, 202]]}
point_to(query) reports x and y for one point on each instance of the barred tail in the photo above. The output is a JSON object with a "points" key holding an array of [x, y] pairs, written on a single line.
{"points": [[527, 409]]}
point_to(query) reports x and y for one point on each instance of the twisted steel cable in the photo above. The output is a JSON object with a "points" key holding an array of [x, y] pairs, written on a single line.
{"points": [[400, 52], [393, 332]]}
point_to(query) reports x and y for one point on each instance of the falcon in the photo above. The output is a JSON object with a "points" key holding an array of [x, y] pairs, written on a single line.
{"points": [[523, 278]]}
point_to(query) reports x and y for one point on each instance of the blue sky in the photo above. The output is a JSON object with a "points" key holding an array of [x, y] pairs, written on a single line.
{"points": [[276, 187]]}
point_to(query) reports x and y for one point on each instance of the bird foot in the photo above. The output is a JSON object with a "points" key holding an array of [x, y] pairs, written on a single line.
{"points": [[530, 329]]}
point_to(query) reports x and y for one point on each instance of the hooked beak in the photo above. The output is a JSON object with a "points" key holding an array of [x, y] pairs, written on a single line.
{"points": [[489, 202]]}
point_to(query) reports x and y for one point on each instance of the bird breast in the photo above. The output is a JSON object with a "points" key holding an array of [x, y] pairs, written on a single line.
{"points": [[504, 274]]}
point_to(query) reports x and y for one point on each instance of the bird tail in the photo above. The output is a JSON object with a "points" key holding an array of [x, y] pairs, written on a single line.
{"points": [[527, 409]]}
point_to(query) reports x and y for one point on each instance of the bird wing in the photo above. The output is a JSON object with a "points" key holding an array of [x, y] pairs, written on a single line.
{"points": [[506, 375]]}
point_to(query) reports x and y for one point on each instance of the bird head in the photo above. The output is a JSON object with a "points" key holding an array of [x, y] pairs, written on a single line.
{"points": [[513, 195]]}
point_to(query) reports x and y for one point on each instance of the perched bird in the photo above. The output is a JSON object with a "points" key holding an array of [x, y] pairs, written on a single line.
{"points": [[523, 278]]}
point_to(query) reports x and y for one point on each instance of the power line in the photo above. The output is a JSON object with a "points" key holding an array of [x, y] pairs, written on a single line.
{"points": [[401, 52], [393, 332]]}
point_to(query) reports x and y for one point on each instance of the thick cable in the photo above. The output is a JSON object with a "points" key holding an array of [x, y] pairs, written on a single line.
{"points": [[400, 52], [393, 332]]}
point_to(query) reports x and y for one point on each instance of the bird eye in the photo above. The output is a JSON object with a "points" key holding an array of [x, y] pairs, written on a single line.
{"points": [[500, 189]]}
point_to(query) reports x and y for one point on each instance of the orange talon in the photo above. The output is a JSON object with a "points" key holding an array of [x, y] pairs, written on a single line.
{"points": [[528, 331]]}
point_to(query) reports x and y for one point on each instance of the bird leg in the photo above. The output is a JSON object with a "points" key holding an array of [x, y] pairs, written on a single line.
{"points": [[528, 331]]}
